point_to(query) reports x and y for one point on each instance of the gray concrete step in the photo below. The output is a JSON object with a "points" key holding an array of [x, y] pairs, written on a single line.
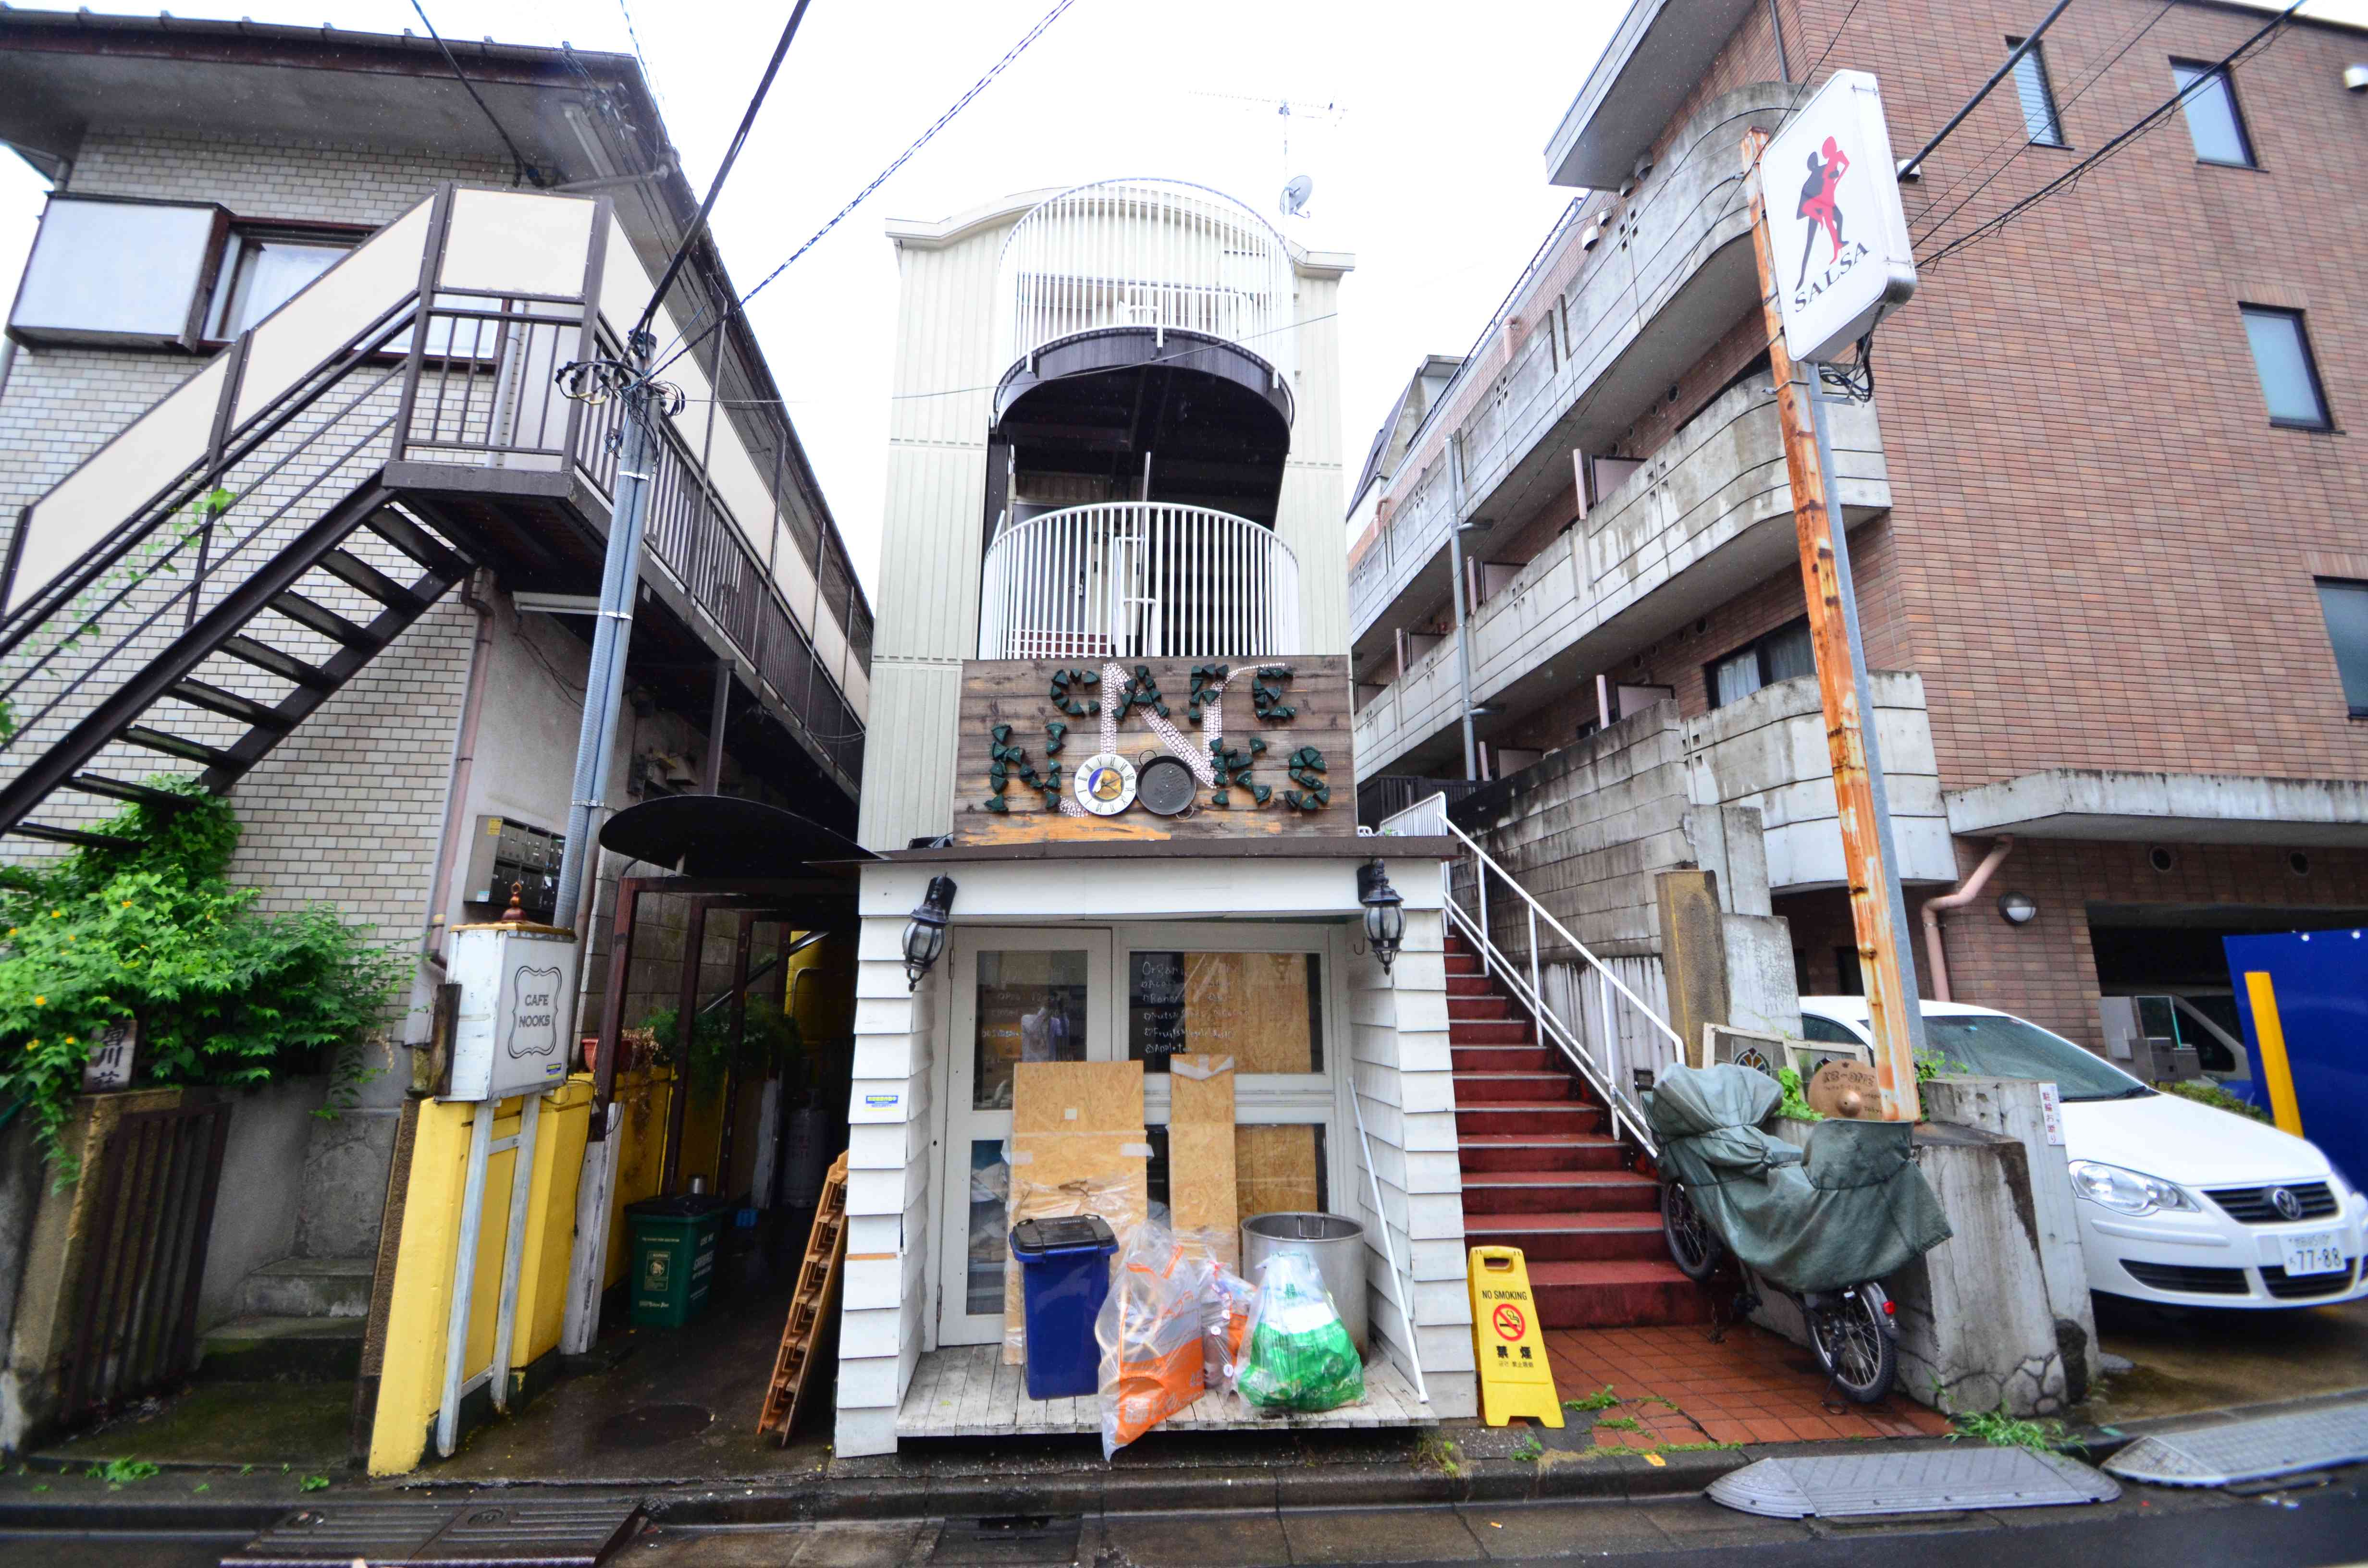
{"points": [[283, 1350], [308, 1288]]}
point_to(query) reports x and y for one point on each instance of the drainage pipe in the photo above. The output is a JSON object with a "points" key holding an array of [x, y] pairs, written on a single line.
{"points": [[464, 759], [1963, 893]]}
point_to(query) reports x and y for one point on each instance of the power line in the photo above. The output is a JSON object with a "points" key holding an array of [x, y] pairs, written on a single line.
{"points": [[633, 37], [526, 173], [881, 178], [723, 171], [2144, 123], [2129, 41]]}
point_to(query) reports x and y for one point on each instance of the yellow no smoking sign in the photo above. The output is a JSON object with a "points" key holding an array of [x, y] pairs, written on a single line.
{"points": [[1506, 1342]]}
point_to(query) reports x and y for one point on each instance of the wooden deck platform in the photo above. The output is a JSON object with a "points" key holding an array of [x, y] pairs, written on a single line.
{"points": [[967, 1392]]}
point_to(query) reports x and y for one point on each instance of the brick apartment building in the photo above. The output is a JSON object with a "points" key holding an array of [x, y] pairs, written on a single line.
{"points": [[2109, 533], [231, 194]]}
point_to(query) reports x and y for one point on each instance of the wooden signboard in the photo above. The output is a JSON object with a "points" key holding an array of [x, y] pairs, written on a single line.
{"points": [[1030, 739]]}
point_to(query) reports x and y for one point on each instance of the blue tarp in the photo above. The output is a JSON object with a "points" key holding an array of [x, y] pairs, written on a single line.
{"points": [[2320, 981]]}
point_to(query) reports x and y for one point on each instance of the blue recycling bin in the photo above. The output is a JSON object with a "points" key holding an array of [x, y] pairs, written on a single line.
{"points": [[1063, 1275]]}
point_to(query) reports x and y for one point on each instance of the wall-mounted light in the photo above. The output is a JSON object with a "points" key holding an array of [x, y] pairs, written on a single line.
{"points": [[2018, 908], [1385, 911], [925, 934]]}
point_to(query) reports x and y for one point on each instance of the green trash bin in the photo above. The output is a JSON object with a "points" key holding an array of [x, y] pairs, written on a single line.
{"points": [[674, 1257]]}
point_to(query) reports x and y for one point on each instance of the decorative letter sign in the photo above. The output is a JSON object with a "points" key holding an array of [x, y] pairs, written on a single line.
{"points": [[1843, 261]]}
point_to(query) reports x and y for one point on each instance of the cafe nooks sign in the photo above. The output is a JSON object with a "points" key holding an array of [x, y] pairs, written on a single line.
{"points": [[1843, 261]]}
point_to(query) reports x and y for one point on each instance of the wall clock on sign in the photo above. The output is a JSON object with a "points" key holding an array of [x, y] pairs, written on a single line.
{"points": [[1104, 784]]}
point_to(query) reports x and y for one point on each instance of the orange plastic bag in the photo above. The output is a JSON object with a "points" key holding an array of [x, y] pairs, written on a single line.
{"points": [[1150, 1332]]}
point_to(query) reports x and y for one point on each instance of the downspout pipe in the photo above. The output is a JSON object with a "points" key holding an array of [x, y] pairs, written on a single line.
{"points": [[464, 759], [1935, 957]]}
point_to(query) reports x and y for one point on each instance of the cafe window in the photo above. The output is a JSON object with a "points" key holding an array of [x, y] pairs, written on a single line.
{"points": [[1032, 1007], [1264, 1009]]}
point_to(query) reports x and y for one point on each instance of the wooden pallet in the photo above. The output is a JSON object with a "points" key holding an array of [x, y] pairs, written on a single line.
{"points": [[804, 1336]]}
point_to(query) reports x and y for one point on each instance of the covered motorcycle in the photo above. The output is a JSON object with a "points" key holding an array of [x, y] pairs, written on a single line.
{"points": [[1854, 1209]]}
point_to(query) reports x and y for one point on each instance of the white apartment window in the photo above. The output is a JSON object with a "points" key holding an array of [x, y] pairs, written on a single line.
{"points": [[2040, 121], [265, 269], [2213, 122], [2289, 376], [1783, 655], [2345, 605], [106, 271]]}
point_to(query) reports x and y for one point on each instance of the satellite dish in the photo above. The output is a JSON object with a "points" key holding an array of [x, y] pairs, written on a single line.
{"points": [[1295, 194]]}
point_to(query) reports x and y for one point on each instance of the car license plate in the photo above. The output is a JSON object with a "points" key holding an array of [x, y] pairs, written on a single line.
{"points": [[2320, 1252]]}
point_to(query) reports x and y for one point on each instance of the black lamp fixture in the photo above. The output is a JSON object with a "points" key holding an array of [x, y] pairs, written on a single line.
{"points": [[2017, 908], [1385, 911], [925, 934]]}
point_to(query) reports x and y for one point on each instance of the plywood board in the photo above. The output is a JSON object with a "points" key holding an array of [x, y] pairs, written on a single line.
{"points": [[1275, 1170], [1019, 693], [1077, 1147], [1200, 1181], [1252, 1006]]}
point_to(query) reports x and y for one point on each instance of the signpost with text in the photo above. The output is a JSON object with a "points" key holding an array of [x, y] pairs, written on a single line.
{"points": [[1834, 259]]}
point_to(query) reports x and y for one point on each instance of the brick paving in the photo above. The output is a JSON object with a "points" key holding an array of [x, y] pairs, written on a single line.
{"points": [[1750, 1386]]}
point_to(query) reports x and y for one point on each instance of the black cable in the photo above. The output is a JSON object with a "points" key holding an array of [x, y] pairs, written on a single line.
{"points": [[2144, 123], [526, 173], [731, 154], [1934, 227], [902, 158]]}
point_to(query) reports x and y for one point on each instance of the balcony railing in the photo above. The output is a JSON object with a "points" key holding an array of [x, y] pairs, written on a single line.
{"points": [[1145, 252], [1139, 579]]}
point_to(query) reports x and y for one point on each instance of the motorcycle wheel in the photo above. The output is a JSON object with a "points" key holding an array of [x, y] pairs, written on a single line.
{"points": [[1854, 1346], [1692, 1245]]}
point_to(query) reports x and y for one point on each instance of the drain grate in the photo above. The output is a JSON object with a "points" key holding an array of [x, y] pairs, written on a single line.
{"points": [[2248, 1450], [1008, 1541], [652, 1425], [425, 1535], [1929, 1480]]}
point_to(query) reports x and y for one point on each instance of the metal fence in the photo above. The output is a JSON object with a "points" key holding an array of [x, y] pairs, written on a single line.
{"points": [[1131, 578]]}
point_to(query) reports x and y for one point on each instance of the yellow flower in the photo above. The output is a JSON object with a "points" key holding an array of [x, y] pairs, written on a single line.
{"points": [[127, 903], [33, 1045], [70, 1040], [40, 1001], [71, 938], [57, 915]]}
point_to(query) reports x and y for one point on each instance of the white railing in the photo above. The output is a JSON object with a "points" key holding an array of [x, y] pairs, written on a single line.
{"points": [[1600, 1062], [1151, 252], [1138, 579]]}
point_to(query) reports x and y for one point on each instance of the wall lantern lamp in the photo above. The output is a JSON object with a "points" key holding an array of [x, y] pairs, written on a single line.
{"points": [[925, 934], [1385, 911], [2018, 908]]}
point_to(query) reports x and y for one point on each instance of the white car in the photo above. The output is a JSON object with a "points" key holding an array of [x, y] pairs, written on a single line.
{"points": [[2179, 1203]]}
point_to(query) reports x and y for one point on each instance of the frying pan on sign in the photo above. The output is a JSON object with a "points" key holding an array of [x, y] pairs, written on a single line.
{"points": [[1164, 787]]}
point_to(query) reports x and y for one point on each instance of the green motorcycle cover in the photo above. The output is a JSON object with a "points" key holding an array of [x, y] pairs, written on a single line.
{"points": [[1855, 1208]]}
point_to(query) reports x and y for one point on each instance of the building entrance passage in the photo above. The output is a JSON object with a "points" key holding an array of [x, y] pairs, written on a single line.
{"points": [[2171, 950]]}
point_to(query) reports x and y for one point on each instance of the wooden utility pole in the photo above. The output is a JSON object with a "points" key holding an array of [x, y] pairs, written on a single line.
{"points": [[1877, 911]]}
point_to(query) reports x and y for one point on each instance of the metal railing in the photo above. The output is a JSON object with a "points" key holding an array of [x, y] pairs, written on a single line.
{"points": [[1154, 253], [1127, 579], [1525, 980]]}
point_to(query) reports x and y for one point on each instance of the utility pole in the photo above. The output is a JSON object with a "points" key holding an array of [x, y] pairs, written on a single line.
{"points": [[1878, 911]]}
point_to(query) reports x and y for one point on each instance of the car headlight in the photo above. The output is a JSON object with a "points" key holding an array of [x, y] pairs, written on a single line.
{"points": [[2127, 1192]]}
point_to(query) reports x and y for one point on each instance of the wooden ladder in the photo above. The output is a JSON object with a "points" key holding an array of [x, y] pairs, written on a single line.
{"points": [[810, 1306]]}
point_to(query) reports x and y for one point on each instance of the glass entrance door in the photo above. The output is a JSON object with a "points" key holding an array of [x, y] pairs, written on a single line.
{"points": [[1019, 997]]}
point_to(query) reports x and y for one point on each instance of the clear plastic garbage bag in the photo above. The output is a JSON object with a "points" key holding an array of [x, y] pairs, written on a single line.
{"points": [[1150, 1330], [1297, 1354]]}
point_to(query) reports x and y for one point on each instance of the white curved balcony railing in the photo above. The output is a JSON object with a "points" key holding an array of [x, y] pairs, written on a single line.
{"points": [[1138, 579], [1145, 252]]}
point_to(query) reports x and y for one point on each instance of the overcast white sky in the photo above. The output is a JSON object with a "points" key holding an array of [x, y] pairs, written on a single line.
{"points": [[1432, 173]]}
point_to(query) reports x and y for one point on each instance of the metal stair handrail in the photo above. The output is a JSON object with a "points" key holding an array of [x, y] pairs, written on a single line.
{"points": [[1603, 1078]]}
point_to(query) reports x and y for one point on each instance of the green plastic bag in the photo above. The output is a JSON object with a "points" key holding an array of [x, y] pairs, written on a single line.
{"points": [[1297, 1354]]}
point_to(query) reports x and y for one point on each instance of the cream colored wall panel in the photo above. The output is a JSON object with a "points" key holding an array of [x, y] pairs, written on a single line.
{"points": [[908, 767], [501, 241], [930, 554]]}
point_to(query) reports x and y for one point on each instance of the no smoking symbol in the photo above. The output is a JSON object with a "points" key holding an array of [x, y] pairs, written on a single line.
{"points": [[1510, 1322]]}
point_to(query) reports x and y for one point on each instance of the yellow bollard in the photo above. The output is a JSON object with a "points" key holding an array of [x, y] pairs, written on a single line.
{"points": [[1506, 1343], [2277, 1073]]}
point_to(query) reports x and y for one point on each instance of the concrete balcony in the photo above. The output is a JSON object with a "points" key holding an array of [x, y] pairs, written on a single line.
{"points": [[1645, 299], [1708, 515]]}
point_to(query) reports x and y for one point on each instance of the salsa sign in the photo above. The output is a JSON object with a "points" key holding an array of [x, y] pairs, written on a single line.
{"points": [[1835, 225]]}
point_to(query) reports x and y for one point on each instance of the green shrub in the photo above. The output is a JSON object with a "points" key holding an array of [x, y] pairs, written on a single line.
{"points": [[222, 993], [2203, 1091]]}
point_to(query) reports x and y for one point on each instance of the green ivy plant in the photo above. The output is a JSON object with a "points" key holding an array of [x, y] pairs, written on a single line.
{"points": [[154, 932], [771, 1039], [2203, 1091]]}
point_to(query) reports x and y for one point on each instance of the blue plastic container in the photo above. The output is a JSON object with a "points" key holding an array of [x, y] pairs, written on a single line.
{"points": [[1063, 1275]]}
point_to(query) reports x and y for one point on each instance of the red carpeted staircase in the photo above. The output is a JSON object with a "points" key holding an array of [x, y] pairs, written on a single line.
{"points": [[1542, 1172]]}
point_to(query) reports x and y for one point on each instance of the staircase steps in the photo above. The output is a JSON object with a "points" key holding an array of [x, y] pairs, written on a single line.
{"points": [[1542, 1171]]}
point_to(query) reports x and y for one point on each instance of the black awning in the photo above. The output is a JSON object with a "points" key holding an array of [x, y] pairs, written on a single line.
{"points": [[719, 835]]}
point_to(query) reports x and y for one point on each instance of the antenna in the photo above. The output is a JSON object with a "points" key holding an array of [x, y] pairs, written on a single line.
{"points": [[1295, 193]]}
